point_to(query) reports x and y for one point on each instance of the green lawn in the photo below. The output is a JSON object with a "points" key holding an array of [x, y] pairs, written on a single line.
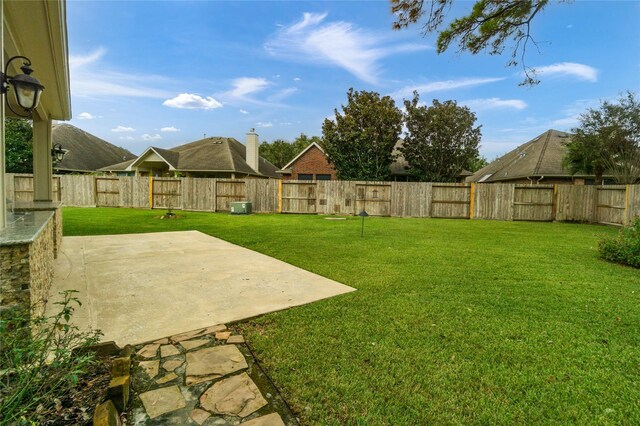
{"points": [[454, 321]]}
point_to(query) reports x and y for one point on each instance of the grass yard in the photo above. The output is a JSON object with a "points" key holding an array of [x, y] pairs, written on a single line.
{"points": [[454, 321]]}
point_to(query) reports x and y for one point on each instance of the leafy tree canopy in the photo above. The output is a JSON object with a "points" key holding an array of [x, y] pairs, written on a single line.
{"points": [[359, 142], [441, 140], [280, 152], [18, 146], [607, 141], [489, 26]]}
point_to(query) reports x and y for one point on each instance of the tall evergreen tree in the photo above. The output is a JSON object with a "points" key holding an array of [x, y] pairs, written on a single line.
{"points": [[441, 140], [607, 141], [359, 141], [18, 146]]}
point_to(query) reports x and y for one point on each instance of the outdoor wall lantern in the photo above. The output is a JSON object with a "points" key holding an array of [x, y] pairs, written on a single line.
{"points": [[27, 89], [57, 153]]}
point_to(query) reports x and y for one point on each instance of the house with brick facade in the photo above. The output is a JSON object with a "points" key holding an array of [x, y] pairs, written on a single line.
{"points": [[310, 164]]}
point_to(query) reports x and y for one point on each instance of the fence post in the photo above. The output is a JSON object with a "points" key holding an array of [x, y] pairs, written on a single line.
{"points": [[150, 191], [625, 220], [472, 199], [280, 196]]}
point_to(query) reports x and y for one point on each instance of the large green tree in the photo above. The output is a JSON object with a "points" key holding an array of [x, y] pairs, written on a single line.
{"points": [[441, 140], [280, 152], [359, 141], [490, 25], [18, 146], [607, 141]]}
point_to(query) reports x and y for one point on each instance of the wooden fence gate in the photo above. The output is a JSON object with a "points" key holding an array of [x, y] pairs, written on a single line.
{"points": [[374, 198], [450, 201], [535, 203], [167, 193], [299, 197], [107, 190], [228, 191], [23, 188], [611, 204]]}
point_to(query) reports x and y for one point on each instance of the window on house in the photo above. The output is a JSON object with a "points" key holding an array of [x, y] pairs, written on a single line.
{"points": [[305, 177], [323, 177]]}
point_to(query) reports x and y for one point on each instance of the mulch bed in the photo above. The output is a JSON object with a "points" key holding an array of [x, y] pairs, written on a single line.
{"points": [[77, 407]]}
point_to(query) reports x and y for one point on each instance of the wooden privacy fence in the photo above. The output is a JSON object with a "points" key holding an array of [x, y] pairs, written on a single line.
{"points": [[611, 204]]}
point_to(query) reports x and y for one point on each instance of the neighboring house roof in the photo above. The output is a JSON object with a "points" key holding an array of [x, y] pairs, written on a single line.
{"points": [[541, 156], [213, 154], [85, 152]]}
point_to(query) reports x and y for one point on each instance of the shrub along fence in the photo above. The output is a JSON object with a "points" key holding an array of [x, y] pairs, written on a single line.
{"points": [[611, 204]]}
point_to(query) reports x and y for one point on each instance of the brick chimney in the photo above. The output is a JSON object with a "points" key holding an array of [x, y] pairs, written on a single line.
{"points": [[252, 150]]}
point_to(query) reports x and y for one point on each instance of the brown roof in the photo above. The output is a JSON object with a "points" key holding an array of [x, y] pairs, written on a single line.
{"points": [[212, 154], [541, 156], [85, 152]]}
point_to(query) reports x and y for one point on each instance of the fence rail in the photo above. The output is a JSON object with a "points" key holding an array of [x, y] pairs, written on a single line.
{"points": [[611, 204]]}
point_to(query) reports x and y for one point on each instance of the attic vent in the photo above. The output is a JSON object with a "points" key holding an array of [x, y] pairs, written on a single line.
{"points": [[522, 154]]}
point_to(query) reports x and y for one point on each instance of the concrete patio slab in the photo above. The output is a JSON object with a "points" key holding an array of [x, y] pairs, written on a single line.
{"points": [[140, 287]]}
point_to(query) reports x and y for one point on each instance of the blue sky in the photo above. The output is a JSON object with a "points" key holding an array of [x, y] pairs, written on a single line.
{"points": [[164, 73]]}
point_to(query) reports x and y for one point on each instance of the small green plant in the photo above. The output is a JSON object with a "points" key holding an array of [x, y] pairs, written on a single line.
{"points": [[623, 248], [41, 359]]}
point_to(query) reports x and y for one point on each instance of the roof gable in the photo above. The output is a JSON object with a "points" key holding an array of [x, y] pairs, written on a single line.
{"points": [[297, 157], [156, 154]]}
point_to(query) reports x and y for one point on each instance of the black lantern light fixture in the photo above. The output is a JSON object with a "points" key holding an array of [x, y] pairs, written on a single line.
{"points": [[57, 153], [27, 89]]}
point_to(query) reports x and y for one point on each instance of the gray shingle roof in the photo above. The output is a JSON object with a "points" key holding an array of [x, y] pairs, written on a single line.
{"points": [[86, 152], [212, 154], [541, 156]]}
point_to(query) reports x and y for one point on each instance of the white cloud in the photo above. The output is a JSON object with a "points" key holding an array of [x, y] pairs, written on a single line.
{"points": [[336, 43], [126, 138], [87, 116], [76, 61], [495, 103], [192, 101], [296, 79], [261, 124], [245, 85], [170, 129], [92, 81], [122, 129], [244, 112], [580, 71], [571, 121], [148, 137], [437, 86], [284, 93], [285, 123], [572, 113]]}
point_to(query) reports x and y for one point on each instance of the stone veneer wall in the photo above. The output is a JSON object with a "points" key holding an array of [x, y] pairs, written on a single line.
{"points": [[57, 232], [26, 272]]}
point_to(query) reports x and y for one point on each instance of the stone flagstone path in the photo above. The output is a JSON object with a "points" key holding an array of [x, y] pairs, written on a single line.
{"points": [[203, 377]]}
